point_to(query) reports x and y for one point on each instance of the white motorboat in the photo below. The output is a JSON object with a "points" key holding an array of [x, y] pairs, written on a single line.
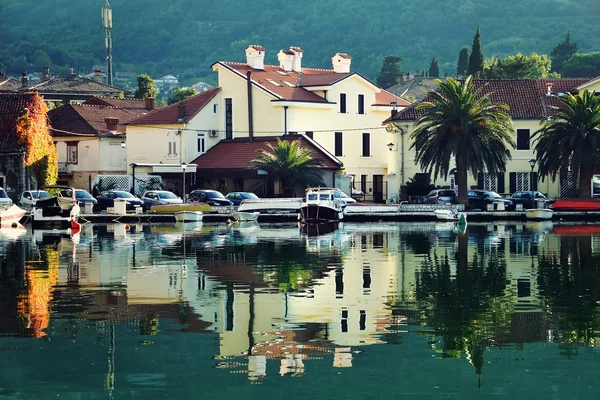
{"points": [[322, 205], [539, 213], [10, 215], [282, 205], [450, 215], [189, 216], [246, 216], [59, 211]]}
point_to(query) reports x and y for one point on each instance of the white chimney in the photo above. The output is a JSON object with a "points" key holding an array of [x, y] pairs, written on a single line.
{"points": [[285, 58], [255, 56], [341, 63], [297, 63]]}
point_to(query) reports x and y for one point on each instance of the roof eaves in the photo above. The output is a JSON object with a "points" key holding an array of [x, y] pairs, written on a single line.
{"points": [[245, 78]]}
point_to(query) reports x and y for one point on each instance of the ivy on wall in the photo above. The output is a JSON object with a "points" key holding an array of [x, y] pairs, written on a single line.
{"points": [[40, 152]]}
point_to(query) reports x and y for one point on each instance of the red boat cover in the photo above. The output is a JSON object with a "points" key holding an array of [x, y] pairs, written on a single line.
{"points": [[576, 205]]}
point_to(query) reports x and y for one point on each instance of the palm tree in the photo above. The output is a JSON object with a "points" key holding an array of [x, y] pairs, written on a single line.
{"points": [[463, 123], [571, 138], [289, 163]]}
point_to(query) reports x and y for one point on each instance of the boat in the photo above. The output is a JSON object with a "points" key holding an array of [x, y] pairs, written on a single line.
{"points": [[450, 215], [189, 216], [576, 205], [175, 208], [277, 205], [322, 204], [57, 211], [539, 213], [246, 216], [11, 215]]}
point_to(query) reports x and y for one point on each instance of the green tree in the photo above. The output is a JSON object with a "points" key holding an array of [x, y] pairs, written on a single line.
{"points": [[476, 58], [571, 138], [582, 64], [290, 164], [462, 123], [562, 52], [518, 66], [391, 71], [145, 85], [180, 94], [463, 61], [434, 69]]}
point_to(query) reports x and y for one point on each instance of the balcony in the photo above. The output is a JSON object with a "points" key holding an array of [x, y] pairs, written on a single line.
{"points": [[65, 169]]}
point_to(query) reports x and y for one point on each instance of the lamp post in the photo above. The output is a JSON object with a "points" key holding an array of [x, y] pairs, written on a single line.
{"points": [[133, 165], [183, 167], [531, 164]]}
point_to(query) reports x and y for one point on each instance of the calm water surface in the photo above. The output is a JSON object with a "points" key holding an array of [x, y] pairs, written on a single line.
{"points": [[355, 311]]}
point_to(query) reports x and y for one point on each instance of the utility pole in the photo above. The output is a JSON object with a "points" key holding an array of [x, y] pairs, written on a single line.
{"points": [[107, 25]]}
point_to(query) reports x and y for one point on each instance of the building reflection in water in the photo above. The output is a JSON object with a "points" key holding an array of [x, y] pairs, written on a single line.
{"points": [[280, 294]]}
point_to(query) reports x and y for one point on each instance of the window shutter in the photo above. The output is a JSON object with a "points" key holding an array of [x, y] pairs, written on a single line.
{"points": [[512, 182], [479, 180], [500, 183], [535, 181]]}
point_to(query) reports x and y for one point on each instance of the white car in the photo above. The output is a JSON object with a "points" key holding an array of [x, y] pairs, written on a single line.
{"points": [[4, 199], [347, 199], [29, 197]]}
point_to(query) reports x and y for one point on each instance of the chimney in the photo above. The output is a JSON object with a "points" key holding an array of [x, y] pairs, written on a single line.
{"points": [[111, 123], [255, 56], [181, 114], [98, 75], [45, 72], [341, 63], [394, 105], [285, 57], [549, 89], [72, 74], [297, 62], [149, 101], [24, 79]]}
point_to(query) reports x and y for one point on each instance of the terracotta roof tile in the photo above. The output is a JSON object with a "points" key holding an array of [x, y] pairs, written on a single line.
{"points": [[526, 99], [385, 98], [85, 119], [9, 84], [171, 114], [75, 84], [322, 79], [257, 47], [136, 105], [238, 153], [12, 106], [344, 55]]}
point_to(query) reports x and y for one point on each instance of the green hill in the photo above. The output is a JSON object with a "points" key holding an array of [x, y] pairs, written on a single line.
{"points": [[184, 37]]}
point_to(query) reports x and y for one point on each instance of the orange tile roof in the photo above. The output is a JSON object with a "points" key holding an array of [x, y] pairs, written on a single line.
{"points": [[88, 120], [385, 98], [12, 106], [125, 103], [239, 153], [171, 114]]}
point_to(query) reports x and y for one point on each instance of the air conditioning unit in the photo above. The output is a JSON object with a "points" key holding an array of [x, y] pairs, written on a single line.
{"points": [[213, 133]]}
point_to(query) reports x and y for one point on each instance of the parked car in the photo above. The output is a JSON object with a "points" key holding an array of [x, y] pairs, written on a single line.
{"points": [[479, 199], [153, 197], [524, 198], [237, 197], [29, 197], [441, 196], [83, 196], [107, 199], [4, 199], [346, 199], [211, 197]]}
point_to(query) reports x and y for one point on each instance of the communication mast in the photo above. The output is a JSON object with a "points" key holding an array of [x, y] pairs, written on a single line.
{"points": [[107, 25]]}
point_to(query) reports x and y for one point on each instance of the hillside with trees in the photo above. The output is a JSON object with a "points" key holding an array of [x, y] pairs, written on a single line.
{"points": [[184, 37]]}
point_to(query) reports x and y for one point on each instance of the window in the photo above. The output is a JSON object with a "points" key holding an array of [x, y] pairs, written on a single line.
{"points": [[201, 143], [338, 148], [72, 153], [172, 149], [228, 119], [215, 109], [523, 139], [309, 134], [366, 144], [363, 183], [361, 103], [343, 103]]}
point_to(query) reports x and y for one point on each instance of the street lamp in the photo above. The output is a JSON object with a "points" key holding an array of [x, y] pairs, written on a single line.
{"points": [[390, 146], [183, 167], [123, 144], [531, 164]]}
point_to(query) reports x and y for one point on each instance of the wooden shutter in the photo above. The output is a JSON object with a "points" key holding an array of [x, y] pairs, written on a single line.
{"points": [[479, 181], [512, 185], [500, 183], [535, 181]]}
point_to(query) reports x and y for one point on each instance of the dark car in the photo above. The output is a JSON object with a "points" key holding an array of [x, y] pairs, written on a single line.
{"points": [[441, 196], [479, 199], [524, 198], [107, 199], [83, 196], [237, 197], [211, 197]]}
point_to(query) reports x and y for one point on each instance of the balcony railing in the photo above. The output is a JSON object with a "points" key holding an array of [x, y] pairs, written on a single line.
{"points": [[65, 168]]}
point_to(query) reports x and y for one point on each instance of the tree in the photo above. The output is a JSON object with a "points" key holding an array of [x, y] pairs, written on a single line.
{"points": [[582, 64], [475, 66], [434, 69], [180, 94], [391, 71], [290, 164], [463, 61], [518, 66], [562, 52], [462, 123], [571, 139], [145, 86]]}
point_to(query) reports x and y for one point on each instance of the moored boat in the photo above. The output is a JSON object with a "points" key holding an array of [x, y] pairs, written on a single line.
{"points": [[281, 205], [322, 205], [566, 204], [189, 216], [446, 215], [57, 211], [11, 215], [539, 213], [246, 216]]}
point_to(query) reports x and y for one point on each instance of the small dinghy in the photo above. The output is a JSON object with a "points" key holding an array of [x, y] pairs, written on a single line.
{"points": [[451, 215]]}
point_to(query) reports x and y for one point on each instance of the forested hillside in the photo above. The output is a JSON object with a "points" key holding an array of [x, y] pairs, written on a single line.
{"points": [[184, 37]]}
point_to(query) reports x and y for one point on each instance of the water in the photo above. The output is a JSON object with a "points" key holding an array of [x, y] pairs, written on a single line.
{"points": [[356, 311]]}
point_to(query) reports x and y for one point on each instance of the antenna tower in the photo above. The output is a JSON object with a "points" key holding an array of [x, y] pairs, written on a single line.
{"points": [[107, 25]]}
